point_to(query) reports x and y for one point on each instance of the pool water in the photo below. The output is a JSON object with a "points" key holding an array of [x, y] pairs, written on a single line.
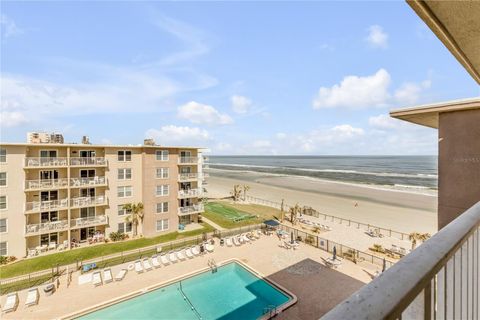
{"points": [[232, 292]]}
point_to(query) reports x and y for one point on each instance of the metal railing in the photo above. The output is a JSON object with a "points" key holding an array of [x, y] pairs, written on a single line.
{"points": [[438, 280], [190, 193], [89, 221], [88, 201], [88, 161], [37, 206], [45, 162], [93, 181], [196, 208], [46, 227], [188, 160], [187, 176], [46, 184]]}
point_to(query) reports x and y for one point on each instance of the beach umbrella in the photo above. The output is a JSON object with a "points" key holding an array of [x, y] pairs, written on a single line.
{"points": [[334, 252], [384, 267]]}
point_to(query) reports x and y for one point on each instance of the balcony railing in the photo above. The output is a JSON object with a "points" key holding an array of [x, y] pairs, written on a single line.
{"points": [[190, 193], [188, 160], [37, 206], [196, 208], [45, 162], [47, 227], [89, 221], [93, 181], [88, 161], [88, 201], [206, 175], [438, 280], [46, 184], [187, 176]]}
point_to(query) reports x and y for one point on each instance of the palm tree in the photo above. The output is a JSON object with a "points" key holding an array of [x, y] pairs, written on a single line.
{"points": [[245, 189], [236, 192], [135, 216], [294, 211], [417, 236]]}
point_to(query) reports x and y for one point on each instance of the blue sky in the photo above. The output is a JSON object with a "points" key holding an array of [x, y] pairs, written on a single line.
{"points": [[239, 78]]}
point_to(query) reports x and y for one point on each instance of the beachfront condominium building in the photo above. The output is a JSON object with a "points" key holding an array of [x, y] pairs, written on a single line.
{"points": [[56, 194]]}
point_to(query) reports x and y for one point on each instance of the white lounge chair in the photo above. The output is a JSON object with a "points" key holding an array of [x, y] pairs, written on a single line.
{"points": [[236, 241], [245, 238], [172, 257], [97, 278], [180, 255], [155, 262], [11, 303], [32, 297], [164, 260], [138, 266], [146, 264], [107, 275], [121, 274], [188, 253], [229, 242], [258, 234], [210, 247], [196, 250]]}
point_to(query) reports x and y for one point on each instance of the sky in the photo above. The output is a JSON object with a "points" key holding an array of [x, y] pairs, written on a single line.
{"points": [[235, 77]]}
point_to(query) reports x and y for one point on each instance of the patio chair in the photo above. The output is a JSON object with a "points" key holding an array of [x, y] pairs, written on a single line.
{"points": [[138, 266], [121, 274], [97, 278], [229, 242], [32, 297], [172, 257], [188, 253], [180, 256], [155, 262], [196, 250], [11, 303], [236, 241], [210, 247], [146, 265], [107, 275]]}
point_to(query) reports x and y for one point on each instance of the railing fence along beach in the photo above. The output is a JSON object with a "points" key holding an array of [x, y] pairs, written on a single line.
{"points": [[327, 217]]}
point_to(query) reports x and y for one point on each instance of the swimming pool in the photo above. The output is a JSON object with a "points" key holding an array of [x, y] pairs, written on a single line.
{"points": [[233, 292]]}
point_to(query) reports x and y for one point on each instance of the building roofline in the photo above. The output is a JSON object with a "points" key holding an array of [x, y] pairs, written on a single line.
{"points": [[26, 144]]}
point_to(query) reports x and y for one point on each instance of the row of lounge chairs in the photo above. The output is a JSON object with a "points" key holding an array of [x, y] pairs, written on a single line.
{"points": [[315, 224], [242, 238], [12, 301]]}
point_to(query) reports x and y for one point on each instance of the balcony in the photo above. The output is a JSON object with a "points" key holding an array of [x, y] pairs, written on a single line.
{"points": [[47, 227], [438, 280], [88, 162], [89, 221], [44, 184], [190, 193], [185, 211], [81, 202], [188, 160], [51, 205], [187, 177], [43, 162], [206, 175], [88, 182]]}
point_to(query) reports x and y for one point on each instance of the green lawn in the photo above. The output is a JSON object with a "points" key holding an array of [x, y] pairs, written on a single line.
{"points": [[71, 256], [225, 214]]}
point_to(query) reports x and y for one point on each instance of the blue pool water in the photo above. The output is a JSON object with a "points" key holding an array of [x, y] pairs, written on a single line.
{"points": [[231, 293]]}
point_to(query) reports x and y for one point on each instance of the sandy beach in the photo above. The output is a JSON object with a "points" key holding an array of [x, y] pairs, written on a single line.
{"points": [[400, 210]]}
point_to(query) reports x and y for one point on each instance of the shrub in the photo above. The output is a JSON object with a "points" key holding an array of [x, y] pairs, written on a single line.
{"points": [[117, 236], [3, 260]]}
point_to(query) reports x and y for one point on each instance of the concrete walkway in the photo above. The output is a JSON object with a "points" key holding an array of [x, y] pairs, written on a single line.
{"points": [[213, 224]]}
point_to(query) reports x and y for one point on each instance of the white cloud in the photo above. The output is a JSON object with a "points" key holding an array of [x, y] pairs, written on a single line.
{"points": [[346, 130], [199, 113], [261, 144], [356, 92], [9, 27], [409, 93], [384, 121], [241, 104], [172, 134], [12, 119], [377, 37]]}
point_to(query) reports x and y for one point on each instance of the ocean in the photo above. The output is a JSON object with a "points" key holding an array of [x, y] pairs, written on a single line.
{"points": [[397, 171]]}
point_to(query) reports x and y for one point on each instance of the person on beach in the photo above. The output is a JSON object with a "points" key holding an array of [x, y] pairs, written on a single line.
{"points": [[356, 204]]}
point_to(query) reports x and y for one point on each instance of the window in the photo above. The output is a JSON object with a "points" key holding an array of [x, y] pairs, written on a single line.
{"points": [[162, 155], [3, 225], [87, 212], [124, 155], [162, 190], [3, 179], [121, 210], [124, 227], [162, 173], [125, 191], [3, 202], [3, 155], [162, 207], [3, 248], [162, 225], [124, 174]]}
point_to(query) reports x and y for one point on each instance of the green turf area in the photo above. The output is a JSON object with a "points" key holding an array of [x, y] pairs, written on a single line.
{"points": [[71, 256], [228, 212]]}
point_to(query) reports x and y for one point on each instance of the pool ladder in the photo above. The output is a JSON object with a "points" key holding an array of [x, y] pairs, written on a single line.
{"points": [[213, 265], [271, 310], [199, 317]]}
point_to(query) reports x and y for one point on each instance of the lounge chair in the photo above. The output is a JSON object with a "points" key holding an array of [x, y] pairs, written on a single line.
{"points": [[147, 265], [155, 262], [180, 255], [138, 266], [32, 297], [210, 247], [258, 234], [164, 260], [188, 253], [121, 274], [236, 241], [245, 238], [11, 303], [229, 242], [97, 278], [172, 257], [107, 275], [196, 250]]}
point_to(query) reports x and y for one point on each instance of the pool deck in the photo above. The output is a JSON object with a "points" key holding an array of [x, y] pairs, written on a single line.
{"points": [[301, 271]]}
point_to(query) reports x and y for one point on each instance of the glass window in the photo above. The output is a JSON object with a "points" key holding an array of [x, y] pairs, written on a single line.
{"points": [[3, 225], [162, 225], [3, 248], [124, 227], [3, 155], [162, 173], [162, 207], [124, 174], [162, 155], [124, 155], [3, 202], [162, 190], [124, 191], [3, 179]]}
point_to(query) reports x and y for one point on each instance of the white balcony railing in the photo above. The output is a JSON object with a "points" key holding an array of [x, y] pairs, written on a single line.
{"points": [[50, 205], [46, 227], [196, 208], [45, 162], [188, 160], [88, 201], [88, 161], [46, 184], [190, 193], [93, 181], [438, 280], [89, 221], [187, 176]]}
